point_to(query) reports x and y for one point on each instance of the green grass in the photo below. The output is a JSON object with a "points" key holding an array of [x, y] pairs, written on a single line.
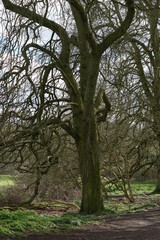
{"points": [[21, 222], [72, 220], [17, 223], [143, 187], [138, 188], [119, 208], [6, 181]]}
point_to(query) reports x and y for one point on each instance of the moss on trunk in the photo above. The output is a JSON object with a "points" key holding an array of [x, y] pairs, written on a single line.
{"points": [[88, 152]]}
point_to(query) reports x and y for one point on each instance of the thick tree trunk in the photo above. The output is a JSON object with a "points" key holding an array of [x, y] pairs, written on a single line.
{"points": [[88, 152], [91, 183]]}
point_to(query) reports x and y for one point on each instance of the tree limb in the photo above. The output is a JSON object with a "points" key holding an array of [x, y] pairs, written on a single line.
{"points": [[119, 31]]}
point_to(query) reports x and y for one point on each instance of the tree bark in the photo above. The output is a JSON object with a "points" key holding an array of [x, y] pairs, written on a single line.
{"points": [[88, 151], [157, 189]]}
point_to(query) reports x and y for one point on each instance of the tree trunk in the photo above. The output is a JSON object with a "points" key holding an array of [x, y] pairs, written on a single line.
{"points": [[157, 189], [88, 152]]}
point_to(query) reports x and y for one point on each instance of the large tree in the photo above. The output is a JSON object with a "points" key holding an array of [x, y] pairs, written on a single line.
{"points": [[66, 66]]}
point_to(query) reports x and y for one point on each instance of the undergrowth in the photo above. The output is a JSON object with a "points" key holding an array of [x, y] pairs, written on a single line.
{"points": [[21, 222], [122, 208], [14, 223], [17, 223], [138, 188]]}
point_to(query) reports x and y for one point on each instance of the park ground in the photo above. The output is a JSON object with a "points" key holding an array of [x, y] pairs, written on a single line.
{"points": [[59, 220], [144, 225]]}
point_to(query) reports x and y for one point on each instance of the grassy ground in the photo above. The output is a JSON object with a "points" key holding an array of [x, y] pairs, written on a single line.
{"points": [[138, 188], [6, 180], [16, 223]]}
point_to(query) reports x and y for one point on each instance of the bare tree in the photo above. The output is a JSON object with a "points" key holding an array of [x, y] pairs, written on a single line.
{"points": [[144, 52], [77, 40]]}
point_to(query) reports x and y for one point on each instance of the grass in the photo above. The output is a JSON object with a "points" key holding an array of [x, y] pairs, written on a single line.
{"points": [[6, 181], [138, 188], [18, 223], [14, 223], [143, 187], [119, 208]]}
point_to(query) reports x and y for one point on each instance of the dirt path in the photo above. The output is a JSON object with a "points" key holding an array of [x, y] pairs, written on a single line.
{"points": [[137, 226]]}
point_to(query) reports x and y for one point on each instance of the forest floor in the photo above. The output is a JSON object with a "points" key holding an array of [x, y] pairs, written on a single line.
{"points": [[137, 226]]}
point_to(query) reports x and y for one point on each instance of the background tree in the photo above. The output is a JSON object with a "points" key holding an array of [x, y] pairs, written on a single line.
{"points": [[142, 55], [128, 145]]}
